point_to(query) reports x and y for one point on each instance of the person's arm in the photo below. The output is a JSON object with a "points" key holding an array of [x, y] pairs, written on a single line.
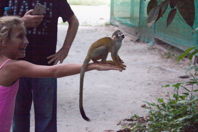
{"points": [[71, 33], [25, 69]]}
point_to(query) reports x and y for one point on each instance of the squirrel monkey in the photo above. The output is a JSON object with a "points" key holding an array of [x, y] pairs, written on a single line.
{"points": [[99, 51]]}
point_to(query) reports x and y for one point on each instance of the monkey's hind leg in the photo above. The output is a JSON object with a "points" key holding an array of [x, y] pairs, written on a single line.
{"points": [[117, 61], [120, 60]]}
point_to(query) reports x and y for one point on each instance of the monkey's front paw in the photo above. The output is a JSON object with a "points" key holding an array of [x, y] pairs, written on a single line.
{"points": [[122, 66], [121, 61]]}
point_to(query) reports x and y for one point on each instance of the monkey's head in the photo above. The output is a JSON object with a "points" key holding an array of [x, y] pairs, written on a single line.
{"points": [[118, 35]]}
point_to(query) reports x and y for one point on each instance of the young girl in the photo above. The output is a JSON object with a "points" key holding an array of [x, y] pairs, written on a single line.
{"points": [[13, 43]]}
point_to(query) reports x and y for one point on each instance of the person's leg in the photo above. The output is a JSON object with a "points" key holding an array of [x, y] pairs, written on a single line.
{"points": [[45, 102], [21, 120]]}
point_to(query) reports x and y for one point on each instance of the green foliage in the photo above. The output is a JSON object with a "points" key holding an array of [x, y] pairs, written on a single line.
{"points": [[175, 114], [157, 8], [190, 52]]}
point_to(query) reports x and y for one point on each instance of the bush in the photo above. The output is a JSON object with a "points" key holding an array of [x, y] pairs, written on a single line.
{"points": [[178, 113]]}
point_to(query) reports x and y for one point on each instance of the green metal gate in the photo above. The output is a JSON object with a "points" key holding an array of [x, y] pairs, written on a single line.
{"points": [[125, 12], [132, 13]]}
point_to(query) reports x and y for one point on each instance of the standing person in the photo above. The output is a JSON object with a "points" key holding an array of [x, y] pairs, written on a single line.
{"points": [[13, 43], [42, 36]]}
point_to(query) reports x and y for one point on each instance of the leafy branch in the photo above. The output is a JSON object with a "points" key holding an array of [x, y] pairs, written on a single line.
{"points": [[157, 9]]}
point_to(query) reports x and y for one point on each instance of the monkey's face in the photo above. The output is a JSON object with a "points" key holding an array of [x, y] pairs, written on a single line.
{"points": [[118, 35]]}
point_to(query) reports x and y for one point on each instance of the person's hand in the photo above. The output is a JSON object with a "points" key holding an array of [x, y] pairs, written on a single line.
{"points": [[105, 67], [32, 20], [58, 57]]}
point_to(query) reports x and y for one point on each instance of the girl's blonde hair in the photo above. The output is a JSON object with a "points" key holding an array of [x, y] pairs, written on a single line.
{"points": [[7, 23]]}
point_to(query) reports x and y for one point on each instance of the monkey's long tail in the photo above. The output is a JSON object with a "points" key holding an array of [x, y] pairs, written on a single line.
{"points": [[82, 73]]}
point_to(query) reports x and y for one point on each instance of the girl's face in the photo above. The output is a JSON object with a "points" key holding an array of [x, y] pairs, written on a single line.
{"points": [[17, 43]]}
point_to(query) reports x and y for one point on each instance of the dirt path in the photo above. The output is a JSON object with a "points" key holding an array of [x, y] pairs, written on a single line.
{"points": [[112, 96]]}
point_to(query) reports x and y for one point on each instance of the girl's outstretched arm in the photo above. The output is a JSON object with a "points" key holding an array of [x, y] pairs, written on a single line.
{"points": [[26, 69]]}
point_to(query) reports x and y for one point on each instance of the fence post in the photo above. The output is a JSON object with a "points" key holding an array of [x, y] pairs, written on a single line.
{"points": [[141, 10], [145, 33]]}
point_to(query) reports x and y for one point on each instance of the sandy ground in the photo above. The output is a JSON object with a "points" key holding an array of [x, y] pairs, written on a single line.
{"points": [[111, 96]]}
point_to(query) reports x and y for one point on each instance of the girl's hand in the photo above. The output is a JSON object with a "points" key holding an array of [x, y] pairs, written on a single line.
{"points": [[104, 67]]}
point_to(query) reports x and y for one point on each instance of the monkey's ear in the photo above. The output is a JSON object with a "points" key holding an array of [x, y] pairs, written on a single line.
{"points": [[114, 36], [115, 33]]}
